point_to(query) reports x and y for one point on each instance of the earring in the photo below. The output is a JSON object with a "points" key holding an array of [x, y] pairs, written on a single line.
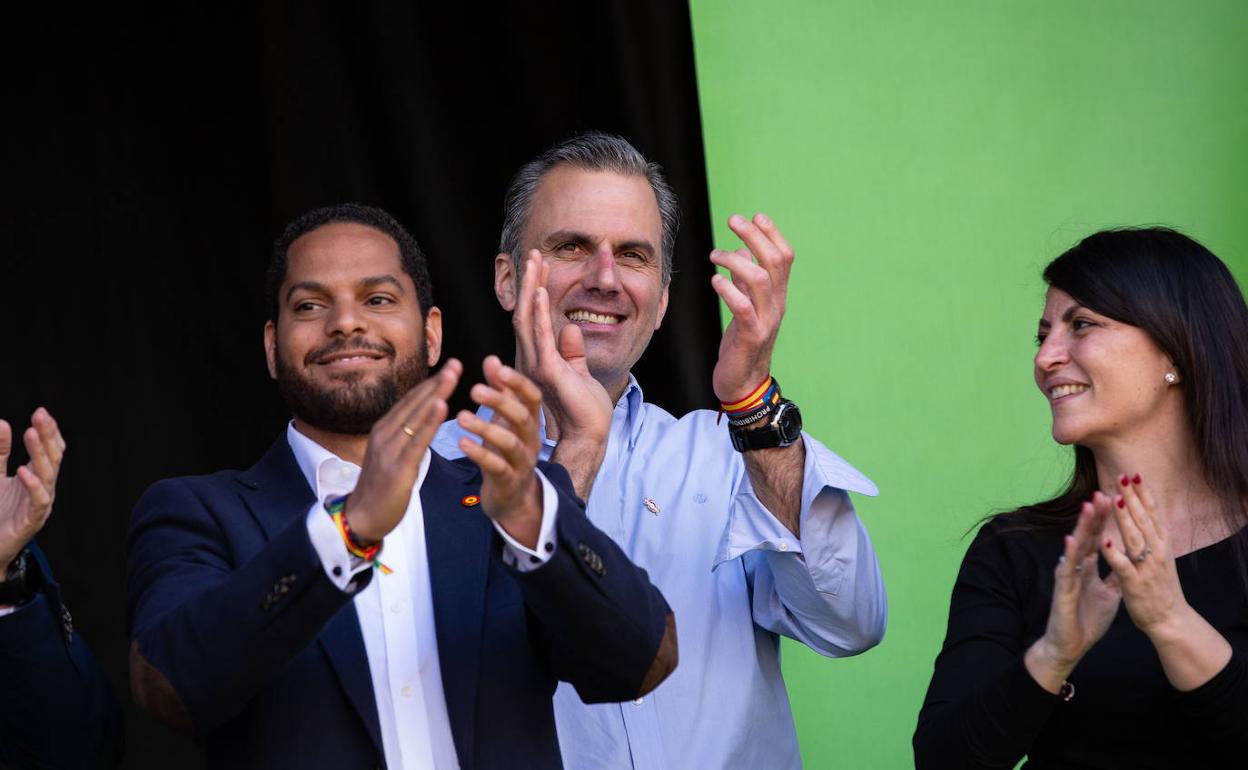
{"points": [[1171, 378]]}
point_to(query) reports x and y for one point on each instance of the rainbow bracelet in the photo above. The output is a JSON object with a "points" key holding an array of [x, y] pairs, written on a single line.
{"points": [[749, 409], [335, 507]]}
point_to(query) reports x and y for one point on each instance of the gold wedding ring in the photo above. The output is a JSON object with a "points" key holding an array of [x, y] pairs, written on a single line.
{"points": [[410, 433]]}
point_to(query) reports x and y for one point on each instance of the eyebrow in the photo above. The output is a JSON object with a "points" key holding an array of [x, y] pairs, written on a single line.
{"points": [[373, 281], [1066, 316], [584, 239]]}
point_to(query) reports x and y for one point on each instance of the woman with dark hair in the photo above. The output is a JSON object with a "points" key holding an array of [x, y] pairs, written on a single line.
{"points": [[1138, 658]]}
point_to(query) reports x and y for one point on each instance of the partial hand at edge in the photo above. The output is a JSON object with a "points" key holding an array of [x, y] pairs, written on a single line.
{"points": [[26, 497]]}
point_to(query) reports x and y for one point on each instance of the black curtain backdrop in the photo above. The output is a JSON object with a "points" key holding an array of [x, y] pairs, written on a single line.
{"points": [[150, 159]]}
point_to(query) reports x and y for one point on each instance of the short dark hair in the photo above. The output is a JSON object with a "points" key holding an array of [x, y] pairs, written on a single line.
{"points": [[589, 151], [410, 256]]}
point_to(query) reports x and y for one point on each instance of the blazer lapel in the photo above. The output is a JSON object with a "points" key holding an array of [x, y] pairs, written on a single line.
{"points": [[278, 494], [457, 539]]}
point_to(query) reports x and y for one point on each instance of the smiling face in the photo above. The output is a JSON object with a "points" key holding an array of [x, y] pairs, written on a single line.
{"points": [[601, 235], [350, 338], [1104, 379]]}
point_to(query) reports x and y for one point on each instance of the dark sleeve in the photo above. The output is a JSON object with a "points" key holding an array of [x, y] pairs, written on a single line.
{"points": [[983, 710], [1220, 706], [207, 634], [597, 613], [57, 709]]}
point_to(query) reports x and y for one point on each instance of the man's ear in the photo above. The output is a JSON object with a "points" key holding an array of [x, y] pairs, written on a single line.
{"points": [[270, 347], [433, 335], [506, 281], [658, 319]]}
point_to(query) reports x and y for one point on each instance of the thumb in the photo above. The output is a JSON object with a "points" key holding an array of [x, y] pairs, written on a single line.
{"points": [[572, 348]]}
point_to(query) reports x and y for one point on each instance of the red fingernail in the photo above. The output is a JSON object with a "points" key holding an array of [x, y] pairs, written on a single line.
{"points": [[1122, 503], [1123, 481], [1136, 479], [1109, 543]]}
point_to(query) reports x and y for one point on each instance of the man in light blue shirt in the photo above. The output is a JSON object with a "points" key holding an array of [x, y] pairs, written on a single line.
{"points": [[744, 522]]}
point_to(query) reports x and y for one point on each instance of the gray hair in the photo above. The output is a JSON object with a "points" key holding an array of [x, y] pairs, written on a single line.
{"points": [[592, 151]]}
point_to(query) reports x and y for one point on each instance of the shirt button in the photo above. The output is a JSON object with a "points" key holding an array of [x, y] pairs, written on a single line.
{"points": [[406, 691], [396, 608], [639, 701], [783, 545], [337, 571]]}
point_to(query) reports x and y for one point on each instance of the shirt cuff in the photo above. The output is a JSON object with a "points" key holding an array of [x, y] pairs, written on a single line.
{"points": [[339, 564], [8, 610], [524, 559]]}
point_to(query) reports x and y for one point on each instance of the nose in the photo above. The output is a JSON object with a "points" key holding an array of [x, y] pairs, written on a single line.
{"points": [[600, 271], [344, 319], [1053, 353]]}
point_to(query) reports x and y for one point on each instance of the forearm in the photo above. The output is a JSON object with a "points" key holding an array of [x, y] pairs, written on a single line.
{"points": [[1045, 667], [607, 628], [776, 476], [992, 725], [581, 457], [207, 637], [1191, 651]]}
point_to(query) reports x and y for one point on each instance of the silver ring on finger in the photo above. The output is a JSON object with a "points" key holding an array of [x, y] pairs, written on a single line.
{"points": [[1142, 555]]}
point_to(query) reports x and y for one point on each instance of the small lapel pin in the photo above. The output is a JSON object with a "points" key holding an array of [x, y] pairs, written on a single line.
{"points": [[470, 501], [651, 505]]}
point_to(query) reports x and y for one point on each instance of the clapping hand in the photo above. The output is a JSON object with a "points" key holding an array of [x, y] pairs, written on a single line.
{"points": [[396, 444], [507, 456], [577, 403], [26, 496], [755, 294], [1083, 604], [1146, 570]]}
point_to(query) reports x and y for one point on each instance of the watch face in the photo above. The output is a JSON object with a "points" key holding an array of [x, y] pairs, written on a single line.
{"points": [[789, 422]]}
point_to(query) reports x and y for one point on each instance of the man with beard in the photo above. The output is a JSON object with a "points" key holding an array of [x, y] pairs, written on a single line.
{"points": [[354, 599], [742, 520]]}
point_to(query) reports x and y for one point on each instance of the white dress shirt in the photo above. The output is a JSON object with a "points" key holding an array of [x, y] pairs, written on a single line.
{"points": [[396, 610]]}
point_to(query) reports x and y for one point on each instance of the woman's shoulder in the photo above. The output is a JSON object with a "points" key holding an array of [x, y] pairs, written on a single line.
{"points": [[1015, 536]]}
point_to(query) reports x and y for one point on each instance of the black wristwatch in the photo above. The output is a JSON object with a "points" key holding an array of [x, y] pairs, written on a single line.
{"points": [[783, 427], [19, 584]]}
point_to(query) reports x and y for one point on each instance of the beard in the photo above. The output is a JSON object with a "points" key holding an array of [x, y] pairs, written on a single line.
{"points": [[355, 403]]}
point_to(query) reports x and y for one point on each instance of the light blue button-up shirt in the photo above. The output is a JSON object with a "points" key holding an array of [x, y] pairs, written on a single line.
{"points": [[676, 497]]}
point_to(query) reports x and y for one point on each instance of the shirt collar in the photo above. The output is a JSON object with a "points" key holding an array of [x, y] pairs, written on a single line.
{"points": [[313, 459], [633, 400]]}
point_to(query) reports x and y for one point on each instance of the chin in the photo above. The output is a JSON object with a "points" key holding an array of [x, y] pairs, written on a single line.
{"points": [[1064, 433]]}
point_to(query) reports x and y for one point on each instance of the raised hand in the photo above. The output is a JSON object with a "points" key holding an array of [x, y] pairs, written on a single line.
{"points": [[755, 295], [1146, 571], [26, 496], [396, 445], [507, 456], [574, 401], [1083, 604], [1190, 649]]}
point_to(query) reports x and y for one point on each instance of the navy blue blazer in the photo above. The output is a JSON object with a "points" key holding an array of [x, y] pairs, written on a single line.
{"points": [[239, 634], [56, 708]]}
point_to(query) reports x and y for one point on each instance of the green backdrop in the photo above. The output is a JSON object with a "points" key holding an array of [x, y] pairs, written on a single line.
{"points": [[926, 160]]}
